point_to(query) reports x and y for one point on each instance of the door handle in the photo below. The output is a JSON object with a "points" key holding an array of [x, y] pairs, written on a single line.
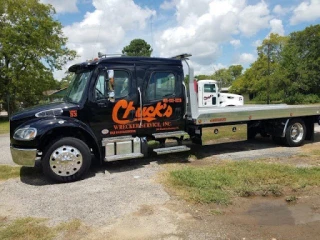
{"points": [[140, 96], [102, 104]]}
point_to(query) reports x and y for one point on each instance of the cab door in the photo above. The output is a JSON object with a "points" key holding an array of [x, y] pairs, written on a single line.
{"points": [[209, 98], [163, 103], [112, 92]]}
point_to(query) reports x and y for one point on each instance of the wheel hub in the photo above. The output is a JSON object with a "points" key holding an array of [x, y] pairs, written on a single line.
{"points": [[296, 132], [66, 161]]}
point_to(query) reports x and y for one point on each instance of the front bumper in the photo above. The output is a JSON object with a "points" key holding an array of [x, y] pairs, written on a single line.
{"points": [[24, 157]]}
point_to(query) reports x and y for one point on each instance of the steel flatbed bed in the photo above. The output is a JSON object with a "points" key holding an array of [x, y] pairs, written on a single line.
{"points": [[203, 116]]}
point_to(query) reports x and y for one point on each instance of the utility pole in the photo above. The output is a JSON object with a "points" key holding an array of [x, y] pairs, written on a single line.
{"points": [[268, 78]]}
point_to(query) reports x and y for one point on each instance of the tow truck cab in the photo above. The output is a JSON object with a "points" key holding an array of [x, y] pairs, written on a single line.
{"points": [[113, 107]]}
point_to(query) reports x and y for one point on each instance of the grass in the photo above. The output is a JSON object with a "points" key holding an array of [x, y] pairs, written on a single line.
{"points": [[222, 182], [34, 228], [26, 228], [7, 172], [4, 126]]}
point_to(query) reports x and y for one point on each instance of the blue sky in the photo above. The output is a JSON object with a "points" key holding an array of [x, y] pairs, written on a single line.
{"points": [[218, 33]]}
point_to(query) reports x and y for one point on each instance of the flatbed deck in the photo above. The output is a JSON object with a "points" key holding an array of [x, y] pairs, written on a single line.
{"points": [[245, 113]]}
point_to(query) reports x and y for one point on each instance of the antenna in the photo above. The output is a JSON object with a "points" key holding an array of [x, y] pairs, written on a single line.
{"points": [[152, 40]]}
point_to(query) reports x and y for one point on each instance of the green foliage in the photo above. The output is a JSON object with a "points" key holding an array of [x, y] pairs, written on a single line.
{"points": [[262, 77], [225, 76], [287, 69], [301, 63], [65, 82], [221, 182], [27, 228], [32, 45], [4, 126], [138, 47]]}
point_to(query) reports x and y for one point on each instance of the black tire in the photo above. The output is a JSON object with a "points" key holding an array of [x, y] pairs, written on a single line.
{"points": [[295, 133], [66, 160]]}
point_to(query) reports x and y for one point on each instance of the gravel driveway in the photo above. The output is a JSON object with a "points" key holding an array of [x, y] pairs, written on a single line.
{"points": [[113, 195], [5, 155]]}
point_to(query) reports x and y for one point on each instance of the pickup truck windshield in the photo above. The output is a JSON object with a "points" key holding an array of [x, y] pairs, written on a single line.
{"points": [[77, 86]]}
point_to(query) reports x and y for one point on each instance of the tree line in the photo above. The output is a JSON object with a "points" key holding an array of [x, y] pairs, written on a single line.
{"points": [[287, 69]]}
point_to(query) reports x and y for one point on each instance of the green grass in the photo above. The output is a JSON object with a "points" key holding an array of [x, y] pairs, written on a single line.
{"points": [[26, 228], [4, 126], [34, 228], [7, 172], [222, 182]]}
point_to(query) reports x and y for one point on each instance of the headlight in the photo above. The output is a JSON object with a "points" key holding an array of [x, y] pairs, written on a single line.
{"points": [[25, 134]]}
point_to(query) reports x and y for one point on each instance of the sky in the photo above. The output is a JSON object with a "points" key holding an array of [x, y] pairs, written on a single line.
{"points": [[218, 33]]}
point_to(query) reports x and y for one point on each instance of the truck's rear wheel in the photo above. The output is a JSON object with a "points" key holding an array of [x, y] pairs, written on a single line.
{"points": [[66, 160], [295, 132]]}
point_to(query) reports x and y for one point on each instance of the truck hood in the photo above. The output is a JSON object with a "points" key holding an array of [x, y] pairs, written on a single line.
{"points": [[30, 112]]}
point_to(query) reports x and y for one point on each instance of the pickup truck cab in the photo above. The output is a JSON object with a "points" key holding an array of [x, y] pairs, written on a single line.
{"points": [[209, 95]]}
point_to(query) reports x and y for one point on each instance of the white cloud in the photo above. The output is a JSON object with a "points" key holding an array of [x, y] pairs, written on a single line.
{"points": [[235, 43], [106, 29], [62, 6], [254, 18], [244, 59], [305, 12], [204, 24], [281, 11], [209, 69], [277, 27], [166, 5], [257, 43]]}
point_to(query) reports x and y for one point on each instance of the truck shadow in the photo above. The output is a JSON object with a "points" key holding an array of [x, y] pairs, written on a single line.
{"points": [[34, 176]]}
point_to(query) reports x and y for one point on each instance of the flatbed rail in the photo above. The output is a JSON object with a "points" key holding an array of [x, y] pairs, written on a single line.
{"points": [[253, 112]]}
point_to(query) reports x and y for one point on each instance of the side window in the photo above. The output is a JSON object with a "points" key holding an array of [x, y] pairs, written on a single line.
{"points": [[119, 83], [161, 85], [209, 88], [100, 88]]}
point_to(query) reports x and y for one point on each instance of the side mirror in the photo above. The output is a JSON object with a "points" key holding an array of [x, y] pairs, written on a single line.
{"points": [[110, 73]]}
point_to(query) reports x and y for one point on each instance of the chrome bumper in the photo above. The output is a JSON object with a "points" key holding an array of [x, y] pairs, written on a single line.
{"points": [[24, 157]]}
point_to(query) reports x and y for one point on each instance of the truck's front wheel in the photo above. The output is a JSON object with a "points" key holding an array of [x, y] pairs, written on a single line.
{"points": [[295, 132], [66, 160]]}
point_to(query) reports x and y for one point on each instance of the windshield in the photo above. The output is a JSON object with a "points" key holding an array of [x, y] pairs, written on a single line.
{"points": [[77, 86]]}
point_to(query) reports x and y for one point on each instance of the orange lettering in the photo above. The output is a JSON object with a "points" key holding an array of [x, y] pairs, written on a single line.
{"points": [[149, 114], [121, 104]]}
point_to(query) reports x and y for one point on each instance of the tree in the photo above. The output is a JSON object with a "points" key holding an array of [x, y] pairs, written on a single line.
{"points": [[65, 82], [261, 79], [226, 76], [300, 66], [138, 47], [32, 45]]}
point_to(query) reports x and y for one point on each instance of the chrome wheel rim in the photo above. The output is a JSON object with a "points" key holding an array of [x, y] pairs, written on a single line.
{"points": [[66, 161], [296, 132]]}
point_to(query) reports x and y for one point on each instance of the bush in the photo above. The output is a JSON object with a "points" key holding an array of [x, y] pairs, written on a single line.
{"points": [[300, 98]]}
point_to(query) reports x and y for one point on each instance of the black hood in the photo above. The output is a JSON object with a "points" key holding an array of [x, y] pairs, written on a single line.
{"points": [[30, 112]]}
